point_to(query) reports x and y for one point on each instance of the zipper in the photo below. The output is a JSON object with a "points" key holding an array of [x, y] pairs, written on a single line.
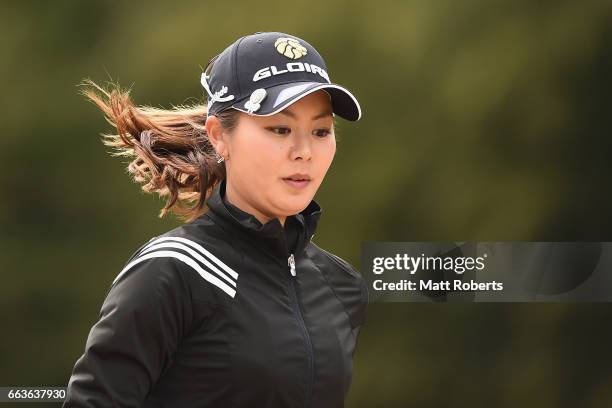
{"points": [[297, 309], [291, 262]]}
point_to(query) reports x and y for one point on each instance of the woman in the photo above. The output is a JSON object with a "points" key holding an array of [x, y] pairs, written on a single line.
{"points": [[237, 307]]}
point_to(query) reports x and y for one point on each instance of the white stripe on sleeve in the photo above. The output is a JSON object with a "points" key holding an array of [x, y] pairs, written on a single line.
{"points": [[186, 259]]}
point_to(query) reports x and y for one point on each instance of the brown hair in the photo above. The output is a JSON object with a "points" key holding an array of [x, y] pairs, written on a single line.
{"points": [[172, 155]]}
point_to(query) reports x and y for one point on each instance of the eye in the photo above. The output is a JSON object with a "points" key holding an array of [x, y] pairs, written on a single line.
{"points": [[281, 128], [323, 132]]}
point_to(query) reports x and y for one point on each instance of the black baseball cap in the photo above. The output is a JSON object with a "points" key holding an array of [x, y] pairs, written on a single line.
{"points": [[263, 73]]}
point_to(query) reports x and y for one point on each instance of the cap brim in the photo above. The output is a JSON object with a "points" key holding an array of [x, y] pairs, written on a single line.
{"points": [[278, 97]]}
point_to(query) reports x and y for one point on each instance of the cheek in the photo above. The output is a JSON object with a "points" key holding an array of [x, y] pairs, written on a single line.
{"points": [[325, 153], [257, 158]]}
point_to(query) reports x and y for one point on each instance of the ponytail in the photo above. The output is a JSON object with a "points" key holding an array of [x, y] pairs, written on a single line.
{"points": [[172, 155]]}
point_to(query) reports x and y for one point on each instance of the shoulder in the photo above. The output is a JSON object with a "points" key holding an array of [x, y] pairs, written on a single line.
{"points": [[333, 264], [345, 280], [185, 257]]}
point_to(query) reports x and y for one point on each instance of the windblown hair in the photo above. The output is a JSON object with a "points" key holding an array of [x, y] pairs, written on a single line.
{"points": [[172, 155]]}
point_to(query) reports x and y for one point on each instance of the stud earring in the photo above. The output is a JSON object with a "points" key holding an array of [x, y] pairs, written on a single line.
{"points": [[219, 158]]}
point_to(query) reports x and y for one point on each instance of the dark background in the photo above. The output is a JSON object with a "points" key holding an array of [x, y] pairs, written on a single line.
{"points": [[482, 120]]}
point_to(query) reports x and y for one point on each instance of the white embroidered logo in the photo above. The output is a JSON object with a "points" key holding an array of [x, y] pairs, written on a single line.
{"points": [[267, 72], [290, 47], [216, 96], [254, 102]]}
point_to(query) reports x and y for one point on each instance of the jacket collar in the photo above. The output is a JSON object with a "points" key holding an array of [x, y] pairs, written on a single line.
{"points": [[271, 235]]}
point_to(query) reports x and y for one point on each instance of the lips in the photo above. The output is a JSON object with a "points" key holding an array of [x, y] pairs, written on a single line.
{"points": [[297, 180], [298, 177]]}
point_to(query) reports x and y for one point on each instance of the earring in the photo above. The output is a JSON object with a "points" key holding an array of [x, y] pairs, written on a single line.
{"points": [[219, 157]]}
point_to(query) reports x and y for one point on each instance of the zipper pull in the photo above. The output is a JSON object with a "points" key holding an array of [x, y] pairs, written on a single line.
{"points": [[291, 262]]}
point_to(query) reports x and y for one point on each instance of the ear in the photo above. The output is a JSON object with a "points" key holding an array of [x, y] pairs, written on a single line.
{"points": [[216, 135]]}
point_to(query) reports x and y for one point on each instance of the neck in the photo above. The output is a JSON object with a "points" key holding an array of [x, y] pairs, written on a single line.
{"points": [[235, 199]]}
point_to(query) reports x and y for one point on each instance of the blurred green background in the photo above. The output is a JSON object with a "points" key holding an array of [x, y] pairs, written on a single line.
{"points": [[482, 120]]}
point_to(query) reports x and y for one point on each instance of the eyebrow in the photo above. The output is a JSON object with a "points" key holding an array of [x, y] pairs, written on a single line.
{"points": [[293, 115]]}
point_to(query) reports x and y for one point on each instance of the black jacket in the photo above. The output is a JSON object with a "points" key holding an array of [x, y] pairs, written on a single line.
{"points": [[225, 312]]}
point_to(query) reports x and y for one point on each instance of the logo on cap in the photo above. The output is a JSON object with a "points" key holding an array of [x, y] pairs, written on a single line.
{"points": [[215, 96], [290, 47], [254, 102]]}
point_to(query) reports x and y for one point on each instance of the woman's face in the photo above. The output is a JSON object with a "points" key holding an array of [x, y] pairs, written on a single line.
{"points": [[265, 151]]}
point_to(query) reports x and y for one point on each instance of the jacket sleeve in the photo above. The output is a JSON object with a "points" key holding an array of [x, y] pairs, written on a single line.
{"points": [[142, 320], [354, 291], [359, 306], [362, 305], [351, 289]]}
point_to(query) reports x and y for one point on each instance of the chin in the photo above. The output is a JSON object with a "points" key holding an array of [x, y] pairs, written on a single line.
{"points": [[294, 204]]}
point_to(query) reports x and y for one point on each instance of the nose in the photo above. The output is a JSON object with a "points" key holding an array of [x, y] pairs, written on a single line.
{"points": [[301, 147]]}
